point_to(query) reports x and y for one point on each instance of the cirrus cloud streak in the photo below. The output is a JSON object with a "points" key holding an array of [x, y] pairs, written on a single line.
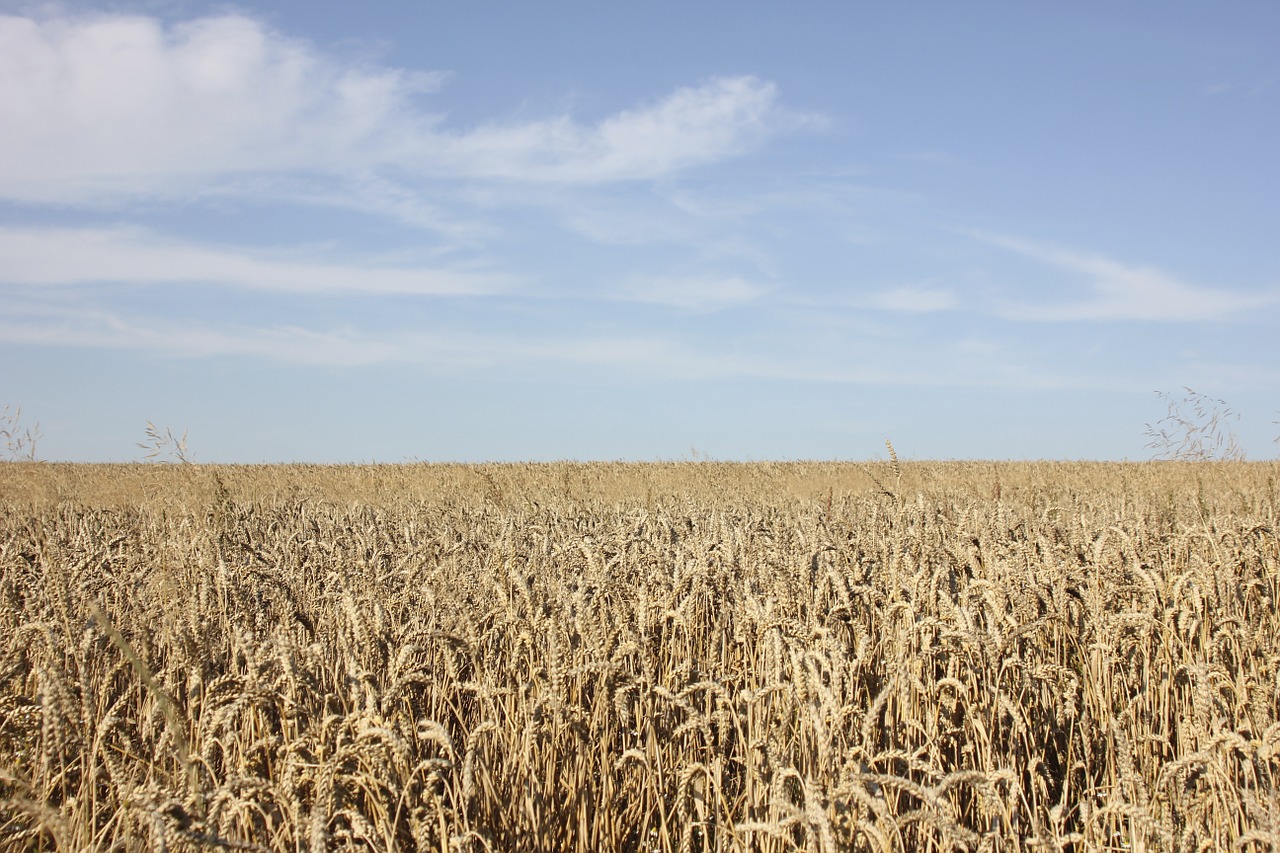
{"points": [[72, 256], [1119, 291]]}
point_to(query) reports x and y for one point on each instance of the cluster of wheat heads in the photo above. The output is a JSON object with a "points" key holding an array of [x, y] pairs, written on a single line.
{"points": [[684, 657]]}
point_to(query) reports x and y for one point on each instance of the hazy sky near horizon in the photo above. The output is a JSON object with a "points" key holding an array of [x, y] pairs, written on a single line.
{"points": [[335, 231]]}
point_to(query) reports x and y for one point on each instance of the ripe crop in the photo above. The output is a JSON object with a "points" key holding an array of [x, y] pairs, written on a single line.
{"points": [[649, 657]]}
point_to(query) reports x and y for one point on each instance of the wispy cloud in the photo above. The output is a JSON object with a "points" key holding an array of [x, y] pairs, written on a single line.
{"points": [[1253, 89], [915, 300], [101, 107], [451, 351], [368, 193], [932, 157], [477, 351], [108, 330], [1118, 291], [696, 293], [693, 125], [70, 256]]}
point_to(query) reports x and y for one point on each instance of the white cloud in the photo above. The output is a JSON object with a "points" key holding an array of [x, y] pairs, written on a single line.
{"points": [[699, 293], [69, 256], [103, 107], [111, 104], [1121, 291]]}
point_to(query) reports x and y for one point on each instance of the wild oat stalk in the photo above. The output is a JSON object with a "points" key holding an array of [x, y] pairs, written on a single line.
{"points": [[19, 441], [1197, 428], [163, 443]]}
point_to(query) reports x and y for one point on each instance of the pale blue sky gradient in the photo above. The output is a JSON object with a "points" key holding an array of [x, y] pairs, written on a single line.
{"points": [[339, 231]]}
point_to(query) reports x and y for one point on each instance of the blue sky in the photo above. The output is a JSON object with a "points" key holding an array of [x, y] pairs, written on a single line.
{"points": [[338, 231]]}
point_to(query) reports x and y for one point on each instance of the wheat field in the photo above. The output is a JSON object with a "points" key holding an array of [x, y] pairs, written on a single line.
{"points": [[687, 656]]}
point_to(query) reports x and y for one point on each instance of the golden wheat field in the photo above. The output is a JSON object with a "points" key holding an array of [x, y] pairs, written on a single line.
{"points": [[684, 656]]}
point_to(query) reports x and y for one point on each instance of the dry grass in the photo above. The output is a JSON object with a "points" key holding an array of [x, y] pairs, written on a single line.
{"points": [[668, 657]]}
